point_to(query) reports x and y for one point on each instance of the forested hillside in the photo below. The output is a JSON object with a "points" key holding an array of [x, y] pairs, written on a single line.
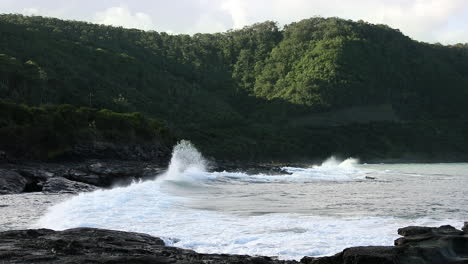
{"points": [[255, 93]]}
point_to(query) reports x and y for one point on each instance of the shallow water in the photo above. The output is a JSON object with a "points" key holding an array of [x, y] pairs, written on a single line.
{"points": [[314, 211], [18, 211]]}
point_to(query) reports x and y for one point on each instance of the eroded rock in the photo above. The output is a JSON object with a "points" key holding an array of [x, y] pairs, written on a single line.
{"points": [[84, 177], [63, 185], [89, 245], [103, 174], [11, 182], [446, 245]]}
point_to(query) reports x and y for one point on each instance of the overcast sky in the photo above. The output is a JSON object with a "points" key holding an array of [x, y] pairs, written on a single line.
{"points": [[444, 21]]}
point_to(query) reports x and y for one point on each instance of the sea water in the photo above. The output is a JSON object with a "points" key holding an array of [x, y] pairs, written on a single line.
{"points": [[311, 211]]}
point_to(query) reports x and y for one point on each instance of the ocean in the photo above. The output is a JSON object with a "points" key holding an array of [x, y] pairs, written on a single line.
{"points": [[313, 210]]}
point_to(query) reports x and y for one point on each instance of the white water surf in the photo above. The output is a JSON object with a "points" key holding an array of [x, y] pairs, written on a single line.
{"points": [[165, 208]]}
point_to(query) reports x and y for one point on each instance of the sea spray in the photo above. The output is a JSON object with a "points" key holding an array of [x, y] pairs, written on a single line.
{"points": [[186, 160], [331, 169], [333, 162], [309, 211]]}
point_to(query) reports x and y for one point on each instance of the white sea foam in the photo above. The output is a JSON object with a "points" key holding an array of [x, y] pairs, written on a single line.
{"points": [[330, 170], [150, 207], [185, 158]]}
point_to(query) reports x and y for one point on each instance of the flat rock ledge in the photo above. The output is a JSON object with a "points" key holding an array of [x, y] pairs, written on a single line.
{"points": [[419, 245]]}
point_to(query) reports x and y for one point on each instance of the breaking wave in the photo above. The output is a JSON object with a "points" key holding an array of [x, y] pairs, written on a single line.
{"points": [[157, 208]]}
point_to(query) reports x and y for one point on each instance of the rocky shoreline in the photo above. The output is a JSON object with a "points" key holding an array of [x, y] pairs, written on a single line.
{"points": [[418, 245], [74, 177], [89, 175]]}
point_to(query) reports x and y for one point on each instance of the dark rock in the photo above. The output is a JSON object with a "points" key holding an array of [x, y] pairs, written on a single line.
{"points": [[97, 173], [35, 178], [417, 234], [35, 172], [413, 230], [106, 174], [359, 255], [445, 245], [446, 229], [88, 245], [151, 172], [465, 228], [422, 245], [86, 177], [117, 170], [371, 255], [3, 156], [63, 185], [11, 182]]}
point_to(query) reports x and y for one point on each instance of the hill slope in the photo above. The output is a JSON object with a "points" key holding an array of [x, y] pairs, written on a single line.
{"points": [[255, 93]]}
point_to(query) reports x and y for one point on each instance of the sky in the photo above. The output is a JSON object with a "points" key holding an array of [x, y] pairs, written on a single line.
{"points": [[444, 21]]}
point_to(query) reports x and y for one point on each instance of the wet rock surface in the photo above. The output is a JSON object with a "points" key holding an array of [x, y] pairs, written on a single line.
{"points": [[419, 245], [87, 245], [63, 185], [11, 182], [73, 177]]}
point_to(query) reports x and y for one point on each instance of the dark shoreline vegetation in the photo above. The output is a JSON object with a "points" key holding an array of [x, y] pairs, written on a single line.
{"points": [[57, 131], [304, 92]]}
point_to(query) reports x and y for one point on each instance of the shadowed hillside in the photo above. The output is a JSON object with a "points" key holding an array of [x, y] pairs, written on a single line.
{"points": [[308, 90]]}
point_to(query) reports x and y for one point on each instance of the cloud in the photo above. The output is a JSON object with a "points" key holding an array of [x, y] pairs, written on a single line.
{"points": [[425, 20], [421, 19], [443, 21], [30, 11], [454, 36], [238, 12], [62, 12], [122, 16], [207, 24]]}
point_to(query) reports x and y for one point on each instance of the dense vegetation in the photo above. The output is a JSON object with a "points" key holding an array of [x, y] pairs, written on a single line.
{"points": [[258, 93], [53, 131]]}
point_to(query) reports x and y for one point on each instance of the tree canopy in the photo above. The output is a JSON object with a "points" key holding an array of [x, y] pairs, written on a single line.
{"points": [[244, 87]]}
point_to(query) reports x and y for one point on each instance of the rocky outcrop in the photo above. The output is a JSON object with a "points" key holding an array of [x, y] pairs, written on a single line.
{"points": [[73, 177], [106, 174], [63, 185], [420, 245], [11, 182], [88, 245]]}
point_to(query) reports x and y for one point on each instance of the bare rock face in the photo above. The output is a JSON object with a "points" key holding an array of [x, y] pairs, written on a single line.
{"points": [[11, 182], [74, 177], [105, 174], [420, 245], [63, 185], [88, 245]]}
